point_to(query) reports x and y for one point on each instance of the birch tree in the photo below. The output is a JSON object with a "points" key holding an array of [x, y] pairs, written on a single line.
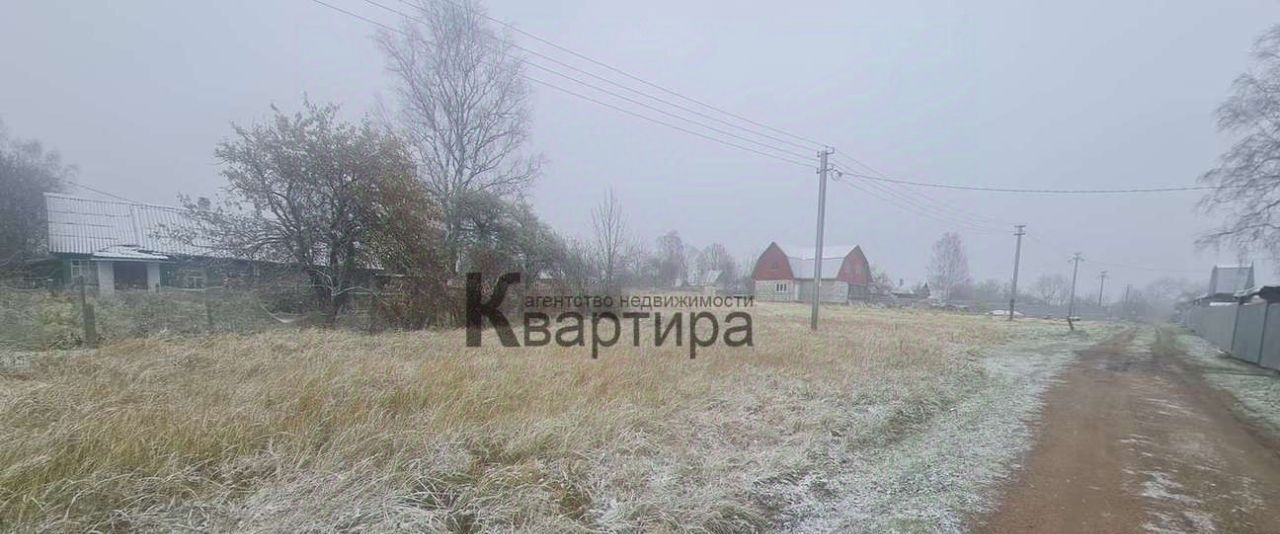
{"points": [[949, 267], [1247, 179], [610, 232], [463, 104]]}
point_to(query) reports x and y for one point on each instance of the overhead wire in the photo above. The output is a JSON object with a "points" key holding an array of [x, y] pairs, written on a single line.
{"points": [[878, 184], [784, 156], [633, 77]]}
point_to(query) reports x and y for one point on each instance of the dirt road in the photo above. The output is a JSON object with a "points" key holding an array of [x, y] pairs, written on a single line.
{"points": [[1133, 440]]}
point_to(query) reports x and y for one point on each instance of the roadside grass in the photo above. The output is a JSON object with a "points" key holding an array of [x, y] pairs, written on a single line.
{"points": [[1255, 389], [329, 431]]}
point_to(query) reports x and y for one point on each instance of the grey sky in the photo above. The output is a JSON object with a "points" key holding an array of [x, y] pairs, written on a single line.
{"points": [[1065, 94]]}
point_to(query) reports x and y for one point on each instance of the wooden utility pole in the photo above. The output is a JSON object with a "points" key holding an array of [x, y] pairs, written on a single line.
{"points": [[1101, 284], [1071, 305], [817, 248], [1017, 256]]}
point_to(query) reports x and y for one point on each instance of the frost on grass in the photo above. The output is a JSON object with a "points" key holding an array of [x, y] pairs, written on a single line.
{"points": [[1256, 390], [938, 477], [888, 420]]}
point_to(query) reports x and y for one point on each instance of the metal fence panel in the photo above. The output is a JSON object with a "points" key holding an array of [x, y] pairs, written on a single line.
{"points": [[1195, 319], [1219, 326], [1270, 353], [1250, 322]]}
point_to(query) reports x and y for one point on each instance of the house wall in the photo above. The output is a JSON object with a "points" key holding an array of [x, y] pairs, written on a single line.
{"points": [[855, 269], [772, 265], [835, 291], [769, 290], [106, 278]]}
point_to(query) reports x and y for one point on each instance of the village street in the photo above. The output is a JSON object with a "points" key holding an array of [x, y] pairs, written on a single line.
{"points": [[1133, 439]]}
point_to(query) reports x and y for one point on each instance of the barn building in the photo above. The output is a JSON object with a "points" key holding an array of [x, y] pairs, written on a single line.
{"points": [[113, 245], [782, 276]]}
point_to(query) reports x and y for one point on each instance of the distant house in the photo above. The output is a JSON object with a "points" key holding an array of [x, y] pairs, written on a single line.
{"points": [[114, 245], [787, 276], [1230, 281], [712, 281]]}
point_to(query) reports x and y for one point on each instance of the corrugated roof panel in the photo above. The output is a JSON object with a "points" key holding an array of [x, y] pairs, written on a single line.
{"points": [[803, 269], [828, 251], [85, 226]]}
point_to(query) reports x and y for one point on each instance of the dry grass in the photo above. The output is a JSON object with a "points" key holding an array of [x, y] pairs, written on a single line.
{"points": [[335, 431]]}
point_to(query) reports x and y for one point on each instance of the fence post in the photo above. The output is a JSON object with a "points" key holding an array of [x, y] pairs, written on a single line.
{"points": [[1235, 329], [1262, 332], [208, 310], [87, 318]]}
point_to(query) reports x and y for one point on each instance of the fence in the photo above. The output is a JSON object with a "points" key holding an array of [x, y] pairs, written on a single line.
{"points": [[42, 319], [1249, 332]]}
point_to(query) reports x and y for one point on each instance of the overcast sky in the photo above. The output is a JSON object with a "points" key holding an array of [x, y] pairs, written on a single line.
{"points": [[1028, 94]]}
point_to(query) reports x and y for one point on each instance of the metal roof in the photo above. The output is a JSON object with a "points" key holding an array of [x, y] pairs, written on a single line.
{"points": [[1231, 280], [828, 252], [801, 260], [110, 228]]}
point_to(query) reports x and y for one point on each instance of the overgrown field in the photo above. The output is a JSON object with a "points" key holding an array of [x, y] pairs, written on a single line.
{"points": [[327, 431]]}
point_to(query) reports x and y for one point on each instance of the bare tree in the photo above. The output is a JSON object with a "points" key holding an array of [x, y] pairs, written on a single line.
{"points": [[692, 258], [27, 171], [1051, 289], [881, 282], [672, 265], [610, 232], [1247, 180], [949, 267], [991, 290], [311, 191], [715, 257], [464, 106]]}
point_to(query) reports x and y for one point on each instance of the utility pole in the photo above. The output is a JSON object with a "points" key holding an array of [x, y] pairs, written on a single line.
{"points": [[1071, 306], [1101, 284], [1017, 256], [1125, 307], [817, 249]]}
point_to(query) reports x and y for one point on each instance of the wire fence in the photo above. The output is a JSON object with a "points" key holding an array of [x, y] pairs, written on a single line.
{"points": [[42, 319]]}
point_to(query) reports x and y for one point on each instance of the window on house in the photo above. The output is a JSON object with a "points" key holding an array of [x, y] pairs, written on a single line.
{"points": [[780, 288], [78, 268]]}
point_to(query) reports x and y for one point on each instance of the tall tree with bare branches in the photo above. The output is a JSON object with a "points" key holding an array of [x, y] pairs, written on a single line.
{"points": [[464, 106], [610, 229], [1247, 180], [949, 267]]}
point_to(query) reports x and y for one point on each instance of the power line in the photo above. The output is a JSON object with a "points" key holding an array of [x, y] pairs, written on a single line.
{"points": [[1060, 245], [933, 212], [664, 112], [908, 205], [597, 101], [99, 191], [361, 17], [913, 202], [669, 125], [613, 83], [1036, 191], [977, 219], [627, 88], [816, 144]]}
